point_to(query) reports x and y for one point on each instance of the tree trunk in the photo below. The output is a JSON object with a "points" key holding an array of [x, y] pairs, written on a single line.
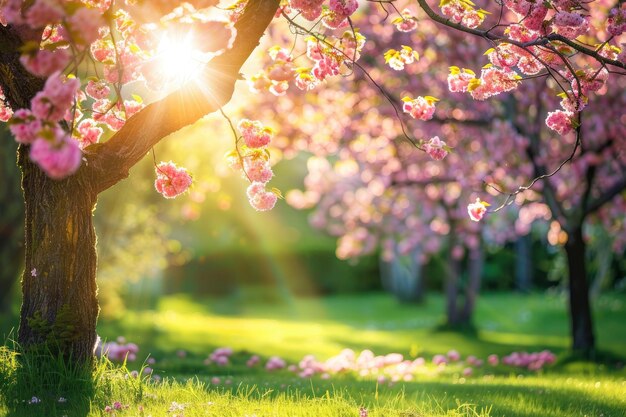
{"points": [[59, 307], [403, 276], [475, 271], [580, 310], [453, 272]]}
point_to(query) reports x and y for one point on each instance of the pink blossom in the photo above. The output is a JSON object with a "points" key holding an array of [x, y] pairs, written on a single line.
{"points": [[493, 81], [343, 7], [407, 22], [439, 360], [24, 126], [171, 180], [436, 148], [253, 361], [132, 107], [310, 9], [254, 133], [84, 25], [398, 59], [59, 157], [334, 20], [102, 50], [279, 88], [476, 210], [305, 81], [43, 62], [453, 355], [5, 111], [43, 13], [259, 198], [493, 359], [459, 79], [326, 66], [119, 351], [56, 97], [422, 108], [275, 363], [11, 12], [560, 121], [258, 82], [571, 25], [617, 21], [97, 89], [88, 133], [258, 170], [453, 10]]}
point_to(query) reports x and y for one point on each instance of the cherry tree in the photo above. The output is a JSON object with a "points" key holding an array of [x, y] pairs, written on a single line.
{"points": [[69, 70], [550, 142], [61, 182], [372, 190]]}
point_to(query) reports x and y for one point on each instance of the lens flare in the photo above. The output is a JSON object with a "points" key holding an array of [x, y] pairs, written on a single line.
{"points": [[179, 61]]}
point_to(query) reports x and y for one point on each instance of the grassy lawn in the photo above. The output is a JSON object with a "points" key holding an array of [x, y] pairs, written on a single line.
{"points": [[293, 328]]}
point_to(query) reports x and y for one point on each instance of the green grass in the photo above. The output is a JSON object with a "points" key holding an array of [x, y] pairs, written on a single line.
{"points": [[292, 328]]}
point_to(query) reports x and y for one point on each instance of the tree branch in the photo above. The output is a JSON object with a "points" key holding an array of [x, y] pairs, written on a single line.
{"points": [[607, 196], [543, 40], [110, 162]]}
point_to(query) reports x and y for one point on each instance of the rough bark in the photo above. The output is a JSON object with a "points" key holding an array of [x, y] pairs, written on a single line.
{"points": [[59, 306], [59, 283], [580, 310]]}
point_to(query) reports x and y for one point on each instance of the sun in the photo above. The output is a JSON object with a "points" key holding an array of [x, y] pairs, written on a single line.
{"points": [[178, 59]]}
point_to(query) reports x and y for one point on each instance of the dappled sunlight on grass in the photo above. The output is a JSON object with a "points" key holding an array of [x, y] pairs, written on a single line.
{"points": [[180, 334], [296, 327]]}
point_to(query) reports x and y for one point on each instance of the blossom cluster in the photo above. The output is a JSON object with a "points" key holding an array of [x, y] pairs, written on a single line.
{"points": [[388, 368], [335, 14], [219, 356], [171, 180], [395, 367], [422, 108], [463, 12], [532, 361], [65, 117], [477, 210], [328, 55], [398, 59], [5, 110], [118, 351], [406, 22], [52, 148], [252, 159]]}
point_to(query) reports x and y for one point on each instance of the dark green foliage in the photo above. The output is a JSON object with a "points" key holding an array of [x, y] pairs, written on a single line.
{"points": [[11, 219], [307, 273]]}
